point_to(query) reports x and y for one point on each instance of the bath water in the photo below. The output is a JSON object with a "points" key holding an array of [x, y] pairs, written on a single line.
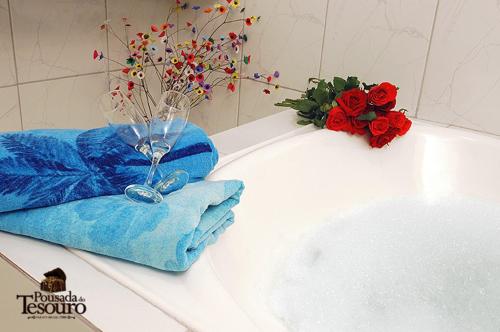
{"points": [[404, 265]]}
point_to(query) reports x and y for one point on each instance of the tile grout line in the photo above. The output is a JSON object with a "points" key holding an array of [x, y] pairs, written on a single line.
{"points": [[424, 74], [452, 126], [239, 81], [280, 86], [107, 44], [8, 85], [15, 64], [62, 77], [323, 40]]}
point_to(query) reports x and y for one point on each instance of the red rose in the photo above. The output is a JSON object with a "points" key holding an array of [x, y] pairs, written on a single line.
{"points": [[348, 126], [404, 129], [382, 94], [353, 101], [360, 123], [381, 140], [387, 107], [379, 126], [337, 119], [359, 126], [396, 119]]}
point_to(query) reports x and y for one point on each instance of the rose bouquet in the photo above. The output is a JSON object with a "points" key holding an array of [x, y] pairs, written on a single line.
{"points": [[353, 107]]}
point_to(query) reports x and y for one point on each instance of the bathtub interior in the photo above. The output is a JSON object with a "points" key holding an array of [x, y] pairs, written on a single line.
{"points": [[294, 185]]}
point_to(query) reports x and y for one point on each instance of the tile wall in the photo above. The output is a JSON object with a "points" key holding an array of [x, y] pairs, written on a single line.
{"points": [[442, 54]]}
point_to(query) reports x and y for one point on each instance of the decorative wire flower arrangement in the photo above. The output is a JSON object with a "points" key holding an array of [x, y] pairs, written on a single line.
{"points": [[207, 60]]}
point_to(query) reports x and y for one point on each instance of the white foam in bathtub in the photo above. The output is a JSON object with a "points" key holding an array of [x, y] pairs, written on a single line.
{"points": [[398, 266]]}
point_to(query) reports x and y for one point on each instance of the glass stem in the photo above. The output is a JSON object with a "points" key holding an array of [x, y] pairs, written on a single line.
{"points": [[154, 165]]}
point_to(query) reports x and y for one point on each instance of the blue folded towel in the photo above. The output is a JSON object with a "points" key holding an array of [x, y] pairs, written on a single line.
{"points": [[168, 236], [47, 167]]}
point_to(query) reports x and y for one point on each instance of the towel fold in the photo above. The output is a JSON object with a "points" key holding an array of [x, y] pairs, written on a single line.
{"points": [[47, 167], [168, 236]]}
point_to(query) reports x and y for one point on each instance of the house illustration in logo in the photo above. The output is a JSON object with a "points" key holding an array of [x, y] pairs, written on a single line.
{"points": [[55, 281]]}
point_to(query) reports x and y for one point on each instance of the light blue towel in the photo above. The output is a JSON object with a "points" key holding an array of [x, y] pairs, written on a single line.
{"points": [[168, 236], [53, 166]]}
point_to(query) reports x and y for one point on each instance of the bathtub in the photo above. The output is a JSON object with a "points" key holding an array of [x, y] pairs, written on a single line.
{"points": [[227, 289]]}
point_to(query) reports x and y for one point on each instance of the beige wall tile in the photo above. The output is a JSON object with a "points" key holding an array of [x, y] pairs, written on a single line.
{"points": [[288, 38], [56, 38], [140, 14], [10, 118], [7, 67], [214, 116], [221, 113], [380, 41], [255, 104], [218, 114], [375, 40], [463, 76], [63, 103]]}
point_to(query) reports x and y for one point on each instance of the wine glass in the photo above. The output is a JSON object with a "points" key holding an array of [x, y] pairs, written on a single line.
{"points": [[165, 127], [126, 121]]}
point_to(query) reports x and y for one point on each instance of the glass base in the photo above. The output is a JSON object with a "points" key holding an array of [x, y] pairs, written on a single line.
{"points": [[143, 194], [172, 182]]}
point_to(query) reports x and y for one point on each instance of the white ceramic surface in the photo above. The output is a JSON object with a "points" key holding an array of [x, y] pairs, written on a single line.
{"points": [[226, 290], [262, 131], [110, 306], [284, 195]]}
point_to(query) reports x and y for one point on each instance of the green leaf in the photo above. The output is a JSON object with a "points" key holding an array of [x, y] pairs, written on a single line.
{"points": [[309, 93], [303, 122], [367, 116], [303, 105], [339, 84], [368, 87], [320, 94], [310, 115], [320, 122], [352, 82], [325, 108], [306, 105]]}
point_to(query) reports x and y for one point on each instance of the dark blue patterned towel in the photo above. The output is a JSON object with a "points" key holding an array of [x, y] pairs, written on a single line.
{"points": [[52, 166]]}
